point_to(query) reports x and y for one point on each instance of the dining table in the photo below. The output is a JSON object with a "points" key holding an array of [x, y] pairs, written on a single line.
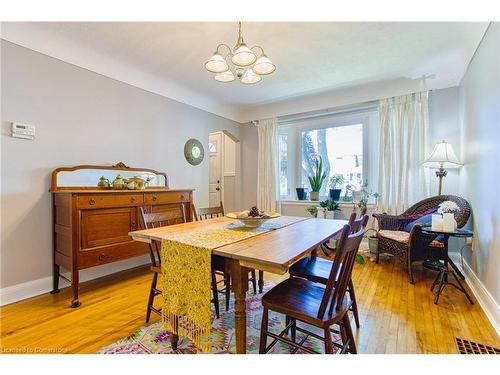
{"points": [[271, 251]]}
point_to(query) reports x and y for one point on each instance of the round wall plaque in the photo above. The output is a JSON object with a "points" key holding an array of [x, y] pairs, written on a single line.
{"points": [[193, 151]]}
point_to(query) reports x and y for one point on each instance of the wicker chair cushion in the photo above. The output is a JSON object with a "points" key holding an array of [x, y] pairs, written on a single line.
{"points": [[404, 237], [423, 220], [411, 218]]}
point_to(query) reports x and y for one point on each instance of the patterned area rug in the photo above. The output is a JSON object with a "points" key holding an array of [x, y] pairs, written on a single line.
{"points": [[153, 339]]}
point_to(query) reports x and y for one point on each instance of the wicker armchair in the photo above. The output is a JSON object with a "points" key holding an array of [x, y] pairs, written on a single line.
{"points": [[415, 246]]}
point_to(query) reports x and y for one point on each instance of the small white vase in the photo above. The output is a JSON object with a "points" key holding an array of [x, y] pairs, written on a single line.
{"points": [[449, 223]]}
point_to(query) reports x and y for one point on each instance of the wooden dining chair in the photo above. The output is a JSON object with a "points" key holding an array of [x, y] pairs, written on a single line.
{"points": [[317, 269], [219, 265], [325, 307], [353, 222], [172, 215]]}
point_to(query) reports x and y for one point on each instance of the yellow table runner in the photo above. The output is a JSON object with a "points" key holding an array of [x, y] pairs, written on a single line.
{"points": [[186, 274]]}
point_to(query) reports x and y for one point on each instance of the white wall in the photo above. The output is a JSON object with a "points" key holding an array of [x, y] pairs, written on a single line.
{"points": [[479, 100], [249, 149], [81, 118], [444, 125]]}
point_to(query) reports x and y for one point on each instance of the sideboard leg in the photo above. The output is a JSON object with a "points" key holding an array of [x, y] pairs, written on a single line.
{"points": [[55, 288], [75, 283]]}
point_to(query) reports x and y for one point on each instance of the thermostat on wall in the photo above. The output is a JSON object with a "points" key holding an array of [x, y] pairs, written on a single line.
{"points": [[23, 131]]}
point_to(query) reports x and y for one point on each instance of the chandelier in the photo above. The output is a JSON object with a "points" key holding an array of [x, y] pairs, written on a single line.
{"points": [[239, 61]]}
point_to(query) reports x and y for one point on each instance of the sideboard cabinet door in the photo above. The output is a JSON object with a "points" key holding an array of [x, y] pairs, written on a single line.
{"points": [[102, 227]]}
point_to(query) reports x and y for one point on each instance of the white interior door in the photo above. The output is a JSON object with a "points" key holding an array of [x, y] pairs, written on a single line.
{"points": [[214, 169]]}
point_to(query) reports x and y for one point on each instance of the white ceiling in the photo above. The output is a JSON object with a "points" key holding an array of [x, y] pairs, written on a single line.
{"points": [[311, 58]]}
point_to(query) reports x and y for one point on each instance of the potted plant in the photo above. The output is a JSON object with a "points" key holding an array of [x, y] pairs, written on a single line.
{"points": [[317, 179], [365, 194], [301, 193], [329, 205], [348, 189], [336, 182], [313, 210], [324, 206]]}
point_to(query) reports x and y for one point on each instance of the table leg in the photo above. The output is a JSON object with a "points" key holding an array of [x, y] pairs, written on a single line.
{"points": [[454, 266], [261, 281], [461, 288], [239, 285], [174, 340]]}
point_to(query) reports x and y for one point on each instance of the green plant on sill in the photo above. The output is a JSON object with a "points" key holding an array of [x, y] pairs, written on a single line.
{"points": [[330, 205], [337, 181], [366, 194], [313, 210], [319, 176]]}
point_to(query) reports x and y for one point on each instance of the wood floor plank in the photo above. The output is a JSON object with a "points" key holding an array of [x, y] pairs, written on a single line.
{"points": [[396, 317]]}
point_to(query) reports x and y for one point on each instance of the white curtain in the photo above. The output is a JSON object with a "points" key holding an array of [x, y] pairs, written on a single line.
{"points": [[267, 165], [404, 129]]}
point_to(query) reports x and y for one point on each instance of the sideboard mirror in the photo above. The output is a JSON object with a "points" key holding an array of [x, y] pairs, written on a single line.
{"points": [[88, 176]]}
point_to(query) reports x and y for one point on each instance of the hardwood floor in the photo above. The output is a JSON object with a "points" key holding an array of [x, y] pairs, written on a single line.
{"points": [[396, 317]]}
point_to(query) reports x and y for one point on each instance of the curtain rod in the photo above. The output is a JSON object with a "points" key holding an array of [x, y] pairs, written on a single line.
{"points": [[345, 109], [360, 107]]}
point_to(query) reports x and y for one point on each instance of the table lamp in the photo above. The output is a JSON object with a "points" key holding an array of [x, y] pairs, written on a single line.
{"points": [[442, 157]]}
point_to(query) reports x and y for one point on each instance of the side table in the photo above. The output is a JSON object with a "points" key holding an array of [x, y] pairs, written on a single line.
{"points": [[442, 278]]}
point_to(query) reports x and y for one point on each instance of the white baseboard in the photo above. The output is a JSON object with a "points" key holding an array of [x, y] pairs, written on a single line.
{"points": [[37, 287], [485, 299]]}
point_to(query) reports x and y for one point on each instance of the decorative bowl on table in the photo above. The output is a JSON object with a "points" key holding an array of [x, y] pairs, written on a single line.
{"points": [[253, 218]]}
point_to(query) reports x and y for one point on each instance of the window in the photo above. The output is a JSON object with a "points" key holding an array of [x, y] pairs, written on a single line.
{"points": [[340, 148], [347, 143]]}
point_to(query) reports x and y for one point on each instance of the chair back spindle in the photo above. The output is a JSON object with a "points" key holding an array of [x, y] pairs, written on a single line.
{"points": [[208, 213], [341, 271], [359, 222]]}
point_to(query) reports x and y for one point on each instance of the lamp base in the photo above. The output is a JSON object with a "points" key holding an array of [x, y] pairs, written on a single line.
{"points": [[440, 173]]}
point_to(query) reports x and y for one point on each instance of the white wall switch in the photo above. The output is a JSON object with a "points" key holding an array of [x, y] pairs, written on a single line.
{"points": [[23, 131]]}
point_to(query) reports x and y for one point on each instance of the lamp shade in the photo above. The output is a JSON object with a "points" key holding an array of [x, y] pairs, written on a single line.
{"points": [[442, 156], [216, 64], [250, 77], [226, 76], [263, 66], [243, 56]]}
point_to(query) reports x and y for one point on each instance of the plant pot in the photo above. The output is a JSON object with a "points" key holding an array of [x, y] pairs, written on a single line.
{"points": [[373, 244], [356, 196], [301, 193], [314, 195], [335, 194], [337, 215]]}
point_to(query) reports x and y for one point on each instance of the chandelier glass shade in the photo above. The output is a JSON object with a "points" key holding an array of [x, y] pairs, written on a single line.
{"points": [[248, 64], [250, 77], [216, 64], [226, 76]]}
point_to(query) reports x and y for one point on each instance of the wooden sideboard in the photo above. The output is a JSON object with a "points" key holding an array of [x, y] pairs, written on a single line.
{"points": [[91, 225]]}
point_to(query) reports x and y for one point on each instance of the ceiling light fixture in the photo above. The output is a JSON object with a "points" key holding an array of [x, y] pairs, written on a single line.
{"points": [[240, 61]]}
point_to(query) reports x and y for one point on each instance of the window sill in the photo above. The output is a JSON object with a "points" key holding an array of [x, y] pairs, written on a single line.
{"points": [[308, 203]]}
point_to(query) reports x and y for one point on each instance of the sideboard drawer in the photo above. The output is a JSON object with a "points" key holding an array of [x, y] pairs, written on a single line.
{"points": [[162, 198], [109, 200], [110, 254]]}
